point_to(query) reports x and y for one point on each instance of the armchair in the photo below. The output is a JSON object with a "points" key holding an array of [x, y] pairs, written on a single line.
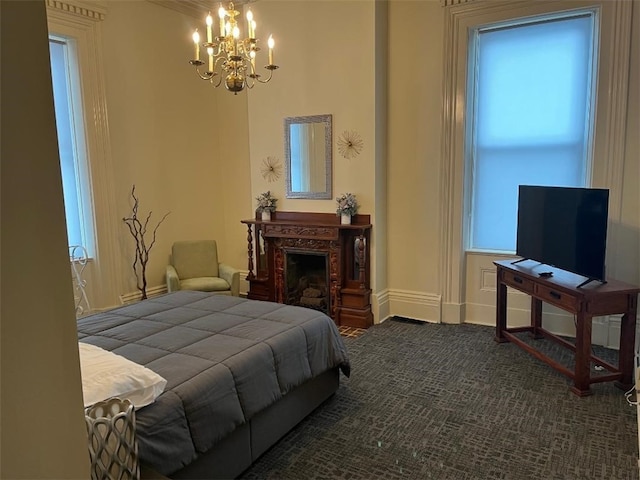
{"points": [[193, 265]]}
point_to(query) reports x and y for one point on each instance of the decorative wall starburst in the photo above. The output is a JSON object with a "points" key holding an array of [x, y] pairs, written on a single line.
{"points": [[350, 144], [271, 169]]}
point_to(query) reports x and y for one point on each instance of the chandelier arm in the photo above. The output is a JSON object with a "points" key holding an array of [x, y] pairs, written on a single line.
{"points": [[216, 84], [210, 76], [217, 48], [204, 76], [270, 74], [219, 60]]}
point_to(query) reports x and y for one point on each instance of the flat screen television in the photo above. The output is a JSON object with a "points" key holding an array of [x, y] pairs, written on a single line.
{"points": [[564, 227]]}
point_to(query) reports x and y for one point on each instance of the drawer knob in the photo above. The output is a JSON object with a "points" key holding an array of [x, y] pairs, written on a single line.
{"points": [[517, 279], [555, 295]]}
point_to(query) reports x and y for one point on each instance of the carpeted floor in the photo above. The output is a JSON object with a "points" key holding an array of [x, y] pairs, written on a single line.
{"points": [[446, 402]]}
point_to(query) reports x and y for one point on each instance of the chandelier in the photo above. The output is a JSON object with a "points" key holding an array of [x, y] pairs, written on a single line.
{"points": [[230, 57]]}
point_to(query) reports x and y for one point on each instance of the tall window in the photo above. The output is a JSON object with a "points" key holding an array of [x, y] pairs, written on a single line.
{"points": [[71, 144], [530, 106]]}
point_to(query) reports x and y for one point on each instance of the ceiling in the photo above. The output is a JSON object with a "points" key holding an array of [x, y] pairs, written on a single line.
{"points": [[196, 8]]}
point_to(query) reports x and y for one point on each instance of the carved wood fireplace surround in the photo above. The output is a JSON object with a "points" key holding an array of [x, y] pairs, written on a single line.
{"points": [[274, 248]]}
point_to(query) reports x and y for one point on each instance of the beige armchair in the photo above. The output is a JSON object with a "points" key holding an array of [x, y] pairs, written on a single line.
{"points": [[194, 265]]}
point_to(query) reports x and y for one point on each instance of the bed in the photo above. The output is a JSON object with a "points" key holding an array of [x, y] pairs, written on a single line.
{"points": [[240, 374]]}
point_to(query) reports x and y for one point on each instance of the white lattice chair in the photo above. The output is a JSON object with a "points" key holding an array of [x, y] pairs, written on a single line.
{"points": [[79, 258]]}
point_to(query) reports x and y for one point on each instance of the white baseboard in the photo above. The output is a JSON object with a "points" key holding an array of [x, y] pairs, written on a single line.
{"points": [[416, 305], [136, 296], [380, 306]]}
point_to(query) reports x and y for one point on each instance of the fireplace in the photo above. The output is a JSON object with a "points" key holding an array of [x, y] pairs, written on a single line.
{"points": [[311, 260], [306, 280]]}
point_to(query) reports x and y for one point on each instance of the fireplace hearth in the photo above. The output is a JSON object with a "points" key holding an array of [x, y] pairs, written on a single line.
{"points": [[311, 260]]}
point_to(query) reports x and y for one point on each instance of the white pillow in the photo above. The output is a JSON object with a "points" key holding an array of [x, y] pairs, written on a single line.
{"points": [[106, 375]]}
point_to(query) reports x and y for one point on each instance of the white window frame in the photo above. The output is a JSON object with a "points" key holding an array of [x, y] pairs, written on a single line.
{"points": [[80, 21], [610, 123], [81, 161], [471, 114]]}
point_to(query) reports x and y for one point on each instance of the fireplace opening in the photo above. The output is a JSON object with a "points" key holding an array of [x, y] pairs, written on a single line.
{"points": [[306, 280]]}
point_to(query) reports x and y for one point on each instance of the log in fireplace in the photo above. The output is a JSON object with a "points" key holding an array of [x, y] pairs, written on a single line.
{"points": [[311, 260]]}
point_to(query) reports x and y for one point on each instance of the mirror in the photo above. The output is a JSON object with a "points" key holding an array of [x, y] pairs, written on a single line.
{"points": [[307, 148]]}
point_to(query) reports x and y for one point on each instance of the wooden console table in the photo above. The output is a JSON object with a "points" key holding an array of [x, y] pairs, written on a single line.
{"points": [[593, 299]]}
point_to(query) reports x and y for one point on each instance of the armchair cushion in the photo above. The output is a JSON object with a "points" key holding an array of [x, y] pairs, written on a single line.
{"points": [[205, 284]]}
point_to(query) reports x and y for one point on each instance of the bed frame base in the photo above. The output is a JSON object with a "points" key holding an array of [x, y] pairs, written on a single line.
{"points": [[234, 454]]}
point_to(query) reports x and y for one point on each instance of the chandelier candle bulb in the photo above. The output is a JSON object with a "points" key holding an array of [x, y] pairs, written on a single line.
{"points": [[210, 52], [196, 41], [253, 29], [271, 44], [249, 22], [209, 23], [221, 14], [236, 35]]}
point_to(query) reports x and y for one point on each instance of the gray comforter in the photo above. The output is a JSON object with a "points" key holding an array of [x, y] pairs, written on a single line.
{"points": [[224, 359]]}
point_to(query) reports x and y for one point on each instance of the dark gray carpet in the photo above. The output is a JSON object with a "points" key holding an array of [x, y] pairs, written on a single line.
{"points": [[446, 402]]}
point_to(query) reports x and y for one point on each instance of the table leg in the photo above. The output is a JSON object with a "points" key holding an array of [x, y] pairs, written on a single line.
{"points": [[501, 309], [627, 345], [581, 379], [536, 318]]}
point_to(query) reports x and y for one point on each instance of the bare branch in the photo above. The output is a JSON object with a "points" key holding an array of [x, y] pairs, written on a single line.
{"points": [[138, 231]]}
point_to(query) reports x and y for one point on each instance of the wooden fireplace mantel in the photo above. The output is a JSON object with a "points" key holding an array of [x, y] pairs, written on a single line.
{"points": [[347, 252]]}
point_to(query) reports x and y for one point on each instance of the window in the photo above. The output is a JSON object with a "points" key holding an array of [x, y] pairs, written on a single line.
{"points": [[530, 102], [72, 144]]}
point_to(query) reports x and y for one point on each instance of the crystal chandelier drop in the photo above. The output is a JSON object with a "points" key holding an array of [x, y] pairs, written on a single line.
{"points": [[230, 57]]}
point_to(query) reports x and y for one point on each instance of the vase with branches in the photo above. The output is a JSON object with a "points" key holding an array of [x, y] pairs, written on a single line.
{"points": [[143, 242]]}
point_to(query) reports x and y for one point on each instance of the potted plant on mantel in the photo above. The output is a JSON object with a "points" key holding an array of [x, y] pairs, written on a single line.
{"points": [[266, 205], [347, 207]]}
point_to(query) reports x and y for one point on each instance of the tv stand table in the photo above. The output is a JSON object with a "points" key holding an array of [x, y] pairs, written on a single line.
{"points": [[594, 299]]}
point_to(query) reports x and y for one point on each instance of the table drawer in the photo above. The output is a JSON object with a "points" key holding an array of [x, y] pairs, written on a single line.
{"points": [[556, 297], [516, 281]]}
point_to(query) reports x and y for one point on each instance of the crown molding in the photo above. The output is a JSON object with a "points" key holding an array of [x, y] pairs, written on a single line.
{"points": [[447, 3], [94, 10], [193, 8]]}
